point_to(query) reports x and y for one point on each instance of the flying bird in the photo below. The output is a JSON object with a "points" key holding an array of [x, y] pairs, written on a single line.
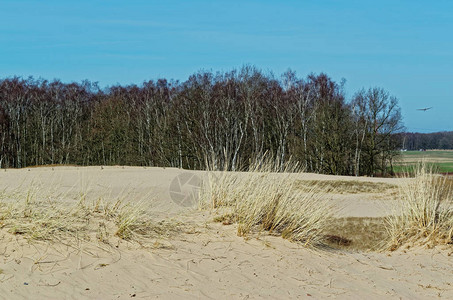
{"points": [[424, 109]]}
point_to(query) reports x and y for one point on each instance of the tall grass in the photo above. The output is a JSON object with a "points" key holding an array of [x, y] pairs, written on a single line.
{"points": [[266, 198], [425, 213]]}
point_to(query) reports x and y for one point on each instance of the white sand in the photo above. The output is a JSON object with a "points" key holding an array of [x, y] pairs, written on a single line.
{"points": [[210, 261]]}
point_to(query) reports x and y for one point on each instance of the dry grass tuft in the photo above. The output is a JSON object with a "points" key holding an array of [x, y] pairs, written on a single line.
{"points": [[348, 186], [425, 215], [358, 234], [262, 199], [38, 216]]}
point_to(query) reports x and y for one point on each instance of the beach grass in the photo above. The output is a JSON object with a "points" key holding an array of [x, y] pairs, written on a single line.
{"points": [[424, 213], [265, 198], [44, 216]]}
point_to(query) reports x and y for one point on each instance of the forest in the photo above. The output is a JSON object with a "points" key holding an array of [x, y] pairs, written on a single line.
{"points": [[216, 120], [436, 140]]}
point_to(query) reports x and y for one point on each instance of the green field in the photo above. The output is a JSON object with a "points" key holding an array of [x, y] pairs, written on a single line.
{"points": [[441, 160]]}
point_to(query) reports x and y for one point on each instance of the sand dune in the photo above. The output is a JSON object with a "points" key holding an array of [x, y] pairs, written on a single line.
{"points": [[205, 259]]}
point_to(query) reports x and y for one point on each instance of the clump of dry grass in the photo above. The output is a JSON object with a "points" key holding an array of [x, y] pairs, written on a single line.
{"points": [[348, 186], [38, 216], [261, 199], [425, 214], [356, 233]]}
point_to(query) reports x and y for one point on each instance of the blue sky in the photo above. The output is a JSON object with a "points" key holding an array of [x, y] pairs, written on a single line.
{"points": [[405, 47]]}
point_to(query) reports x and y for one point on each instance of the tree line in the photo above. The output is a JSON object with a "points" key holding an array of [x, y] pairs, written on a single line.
{"points": [[436, 140], [225, 120]]}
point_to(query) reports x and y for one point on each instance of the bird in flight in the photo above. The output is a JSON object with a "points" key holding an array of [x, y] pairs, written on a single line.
{"points": [[424, 109]]}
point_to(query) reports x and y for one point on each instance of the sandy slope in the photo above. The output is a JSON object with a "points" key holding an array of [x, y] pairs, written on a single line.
{"points": [[209, 261]]}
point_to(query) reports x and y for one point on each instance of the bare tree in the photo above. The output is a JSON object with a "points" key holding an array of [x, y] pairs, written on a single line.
{"points": [[378, 118]]}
